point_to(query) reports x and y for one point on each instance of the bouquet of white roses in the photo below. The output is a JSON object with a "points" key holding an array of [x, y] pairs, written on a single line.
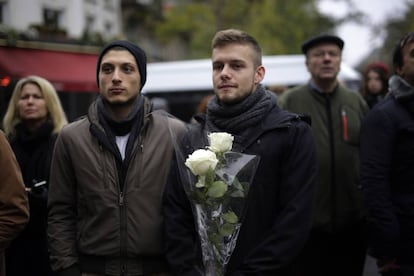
{"points": [[218, 197]]}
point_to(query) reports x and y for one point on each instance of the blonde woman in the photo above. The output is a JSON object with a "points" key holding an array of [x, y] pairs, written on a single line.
{"points": [[33, 119]]}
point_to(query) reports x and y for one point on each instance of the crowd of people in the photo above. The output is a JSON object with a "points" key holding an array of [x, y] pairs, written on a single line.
{"points": [[106, 195]]}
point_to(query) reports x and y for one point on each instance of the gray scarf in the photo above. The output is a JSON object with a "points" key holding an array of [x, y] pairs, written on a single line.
{"points": [[237, 119]]}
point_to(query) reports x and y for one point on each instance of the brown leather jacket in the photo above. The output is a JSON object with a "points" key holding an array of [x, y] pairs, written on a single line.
{"points": [[14, 207]]}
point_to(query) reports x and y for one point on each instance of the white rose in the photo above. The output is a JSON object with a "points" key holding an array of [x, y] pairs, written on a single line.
{"points": [[200, 161], [220, 141]]}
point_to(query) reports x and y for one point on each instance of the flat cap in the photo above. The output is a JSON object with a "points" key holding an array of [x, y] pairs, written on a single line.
{"points": [[322, 39]]}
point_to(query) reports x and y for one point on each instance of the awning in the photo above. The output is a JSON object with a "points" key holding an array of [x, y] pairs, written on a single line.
{"points": [[67, 71]]}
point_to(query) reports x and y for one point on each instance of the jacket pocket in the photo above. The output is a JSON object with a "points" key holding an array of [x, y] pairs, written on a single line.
{"points": [[350, 123]]}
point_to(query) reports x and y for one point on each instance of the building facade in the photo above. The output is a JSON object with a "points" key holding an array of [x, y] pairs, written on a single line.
{"points": [[73, 19]]}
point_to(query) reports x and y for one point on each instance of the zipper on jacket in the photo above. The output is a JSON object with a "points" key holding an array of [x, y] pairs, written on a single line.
{"points": [[344, 125], [121, 199], [123, 270], [332, 163]]}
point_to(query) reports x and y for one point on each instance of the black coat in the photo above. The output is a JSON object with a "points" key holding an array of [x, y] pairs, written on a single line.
{"points": [[387, 174], [33, 153], [280, 200]]}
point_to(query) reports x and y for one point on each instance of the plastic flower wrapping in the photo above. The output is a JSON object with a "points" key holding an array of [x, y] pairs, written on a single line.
{"points": [[217, 187]]}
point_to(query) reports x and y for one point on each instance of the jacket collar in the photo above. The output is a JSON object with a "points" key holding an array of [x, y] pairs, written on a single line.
{"points": [[93, 111], [276, 119], [400, 89]]}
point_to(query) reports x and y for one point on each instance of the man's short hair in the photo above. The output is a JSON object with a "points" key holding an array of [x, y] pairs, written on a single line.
{"points": [[233, 36], [397, 56]]}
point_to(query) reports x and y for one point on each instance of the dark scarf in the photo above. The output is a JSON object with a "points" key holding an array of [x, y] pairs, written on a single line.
{"points": [[132, 124], [33, 151], [237, 119], [28, 138]]}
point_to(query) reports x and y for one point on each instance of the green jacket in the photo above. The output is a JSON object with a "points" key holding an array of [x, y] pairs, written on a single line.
{"points": [[336, 120]]}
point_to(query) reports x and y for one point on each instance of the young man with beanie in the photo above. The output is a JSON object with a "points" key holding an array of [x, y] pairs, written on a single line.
{"points": [[387, 162], [108, 175], [279, 204], [336, 245]]}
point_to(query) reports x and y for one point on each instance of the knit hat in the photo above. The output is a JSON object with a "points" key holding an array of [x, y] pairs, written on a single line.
{"points": [[136, 51], [323, 38], [378, 65]]}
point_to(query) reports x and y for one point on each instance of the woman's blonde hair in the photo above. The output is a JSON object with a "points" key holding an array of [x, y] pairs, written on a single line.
{"points": [[54, 107]]}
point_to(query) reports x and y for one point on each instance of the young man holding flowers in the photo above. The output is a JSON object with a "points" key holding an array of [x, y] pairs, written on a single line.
{"points": [[277, 216]]}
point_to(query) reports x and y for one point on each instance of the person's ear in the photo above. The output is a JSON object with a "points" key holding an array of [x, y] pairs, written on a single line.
{"points": [[259, 75]]}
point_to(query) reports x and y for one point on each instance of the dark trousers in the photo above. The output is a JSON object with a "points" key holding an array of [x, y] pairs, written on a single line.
{"points": [[341, 253]]}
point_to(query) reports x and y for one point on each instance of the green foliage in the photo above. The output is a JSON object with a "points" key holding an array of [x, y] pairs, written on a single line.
{"points": [[217, 189], [192, 24], [230, 217], [392, 30], [280, 26], [395, 28]]}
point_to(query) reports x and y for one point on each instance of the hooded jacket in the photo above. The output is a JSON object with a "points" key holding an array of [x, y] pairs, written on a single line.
{"points": [[278, 216], [387, 175]]}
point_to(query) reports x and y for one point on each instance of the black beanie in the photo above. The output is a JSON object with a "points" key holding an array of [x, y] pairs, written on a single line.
{"points": [[136, 51]]}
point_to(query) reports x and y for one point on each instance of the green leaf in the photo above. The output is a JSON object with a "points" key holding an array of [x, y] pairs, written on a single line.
{"points": [[237, 194], [237, 185], [226, 229], [246, 187], [230, 217], [209, 177], [216, 240], [217, 189]]}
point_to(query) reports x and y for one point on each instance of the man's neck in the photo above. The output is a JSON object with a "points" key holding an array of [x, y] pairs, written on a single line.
{"points": [[120, 112], [325, 86]]}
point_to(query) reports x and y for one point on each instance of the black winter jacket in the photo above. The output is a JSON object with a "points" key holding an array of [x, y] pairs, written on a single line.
{"points": [[280, 200], [387, 173], [33, 152]]}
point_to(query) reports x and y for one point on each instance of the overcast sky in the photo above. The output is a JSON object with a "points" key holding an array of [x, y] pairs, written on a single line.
{"points": [[359, 40]]}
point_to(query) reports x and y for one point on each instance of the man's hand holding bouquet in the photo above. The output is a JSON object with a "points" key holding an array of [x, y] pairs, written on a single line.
{"points": [[218, 190]]}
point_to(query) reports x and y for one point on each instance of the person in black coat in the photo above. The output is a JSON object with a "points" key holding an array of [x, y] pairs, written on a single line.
{"points": [[32, 121], [387, 174], [280, 198]]}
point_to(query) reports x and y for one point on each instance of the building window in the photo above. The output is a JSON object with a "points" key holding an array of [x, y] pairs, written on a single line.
{"points": [[90, 24], [1, 12], [51, 18], [108, 27], [109, 5]]}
